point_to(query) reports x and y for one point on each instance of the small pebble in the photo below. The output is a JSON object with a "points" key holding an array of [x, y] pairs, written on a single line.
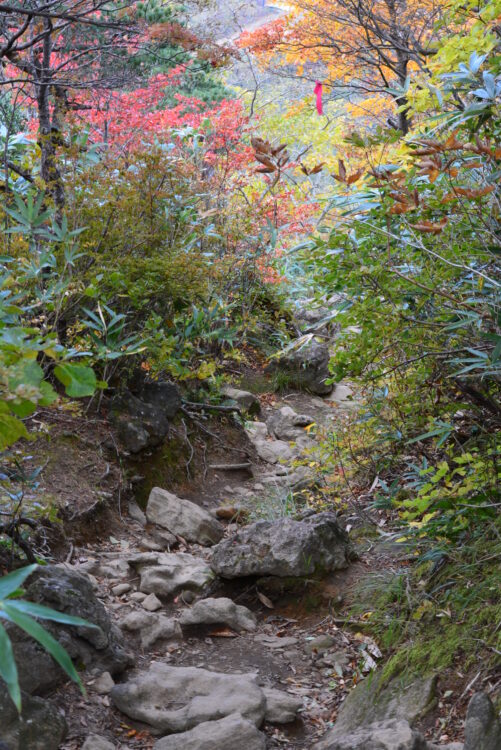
{"points": [[103, 684], [122, 588]]}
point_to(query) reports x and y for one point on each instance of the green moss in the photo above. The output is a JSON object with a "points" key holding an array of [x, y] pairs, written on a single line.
{"points": [[426, 620]]}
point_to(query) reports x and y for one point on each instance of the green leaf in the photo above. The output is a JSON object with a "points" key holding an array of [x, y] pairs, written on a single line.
{"points": [[46, 613], [79, 380], [11, 429], [8, 669], [49, 643], [13, 581]]}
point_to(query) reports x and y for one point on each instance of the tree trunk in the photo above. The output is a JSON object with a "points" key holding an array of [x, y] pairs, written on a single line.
{"points": [[48, 135]]}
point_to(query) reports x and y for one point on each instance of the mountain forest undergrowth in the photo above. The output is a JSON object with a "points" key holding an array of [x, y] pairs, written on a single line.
{"points": [[197, 201]]}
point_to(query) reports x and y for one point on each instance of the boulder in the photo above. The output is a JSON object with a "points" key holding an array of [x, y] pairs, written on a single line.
{"points": [[40, 726], [281, 708], [273, 451], [394, 734], [175, 699], [244, 399], [99, 648], [404, 698], [166, 573], [183, 518], [312, 319], [162, 396], [284, 548], [220, 611], [256, 431], [96, 742], [286, 424], [152, 628], [306, 366], [482, 729], [139, 425], [225, 734]]}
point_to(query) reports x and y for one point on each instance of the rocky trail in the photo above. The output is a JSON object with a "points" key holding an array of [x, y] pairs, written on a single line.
{"points": [[222, 618]]}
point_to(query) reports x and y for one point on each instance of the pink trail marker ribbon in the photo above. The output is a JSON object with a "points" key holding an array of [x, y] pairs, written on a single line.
{"points": [[318, 91]]}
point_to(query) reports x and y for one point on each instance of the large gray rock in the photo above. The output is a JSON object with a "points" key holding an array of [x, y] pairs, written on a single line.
{"points": [[245, 400], [393, 734], [40, 726], [139, 425], [99, 648], [183, 518], [273, 451], [281, 708], [152, 628], [220, 611], [225, 734], [313, 319], [306, 366], [175, 699], [286, 424], [162, 396], [142, 421], [482, 729], [284, 548], [166, 573], [404, 698]]}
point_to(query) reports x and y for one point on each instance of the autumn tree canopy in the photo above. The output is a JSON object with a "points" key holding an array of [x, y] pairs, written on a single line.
{"points": [[364, 46]]}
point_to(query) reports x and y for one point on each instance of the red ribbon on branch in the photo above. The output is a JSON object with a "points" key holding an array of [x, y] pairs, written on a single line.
{"points": [[318, 91]]}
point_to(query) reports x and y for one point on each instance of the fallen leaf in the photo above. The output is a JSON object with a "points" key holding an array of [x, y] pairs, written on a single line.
{"points": [[223, 633], [264, 600]]}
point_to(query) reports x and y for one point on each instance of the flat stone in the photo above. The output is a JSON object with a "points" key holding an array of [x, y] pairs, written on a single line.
{"points": [[394, 734], [183, 518], [403, 699], [341, 393], [150, 544], [152, 603], [166, 573], [175, 699], [284, 548], [152, 627], [281, 707], [221, 611], [96, 742], [319, 644], [225, 734], [274, 641], [103, 684]]}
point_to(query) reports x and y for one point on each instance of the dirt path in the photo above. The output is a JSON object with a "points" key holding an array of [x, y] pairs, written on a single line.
{"points": [[280, 650]]}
